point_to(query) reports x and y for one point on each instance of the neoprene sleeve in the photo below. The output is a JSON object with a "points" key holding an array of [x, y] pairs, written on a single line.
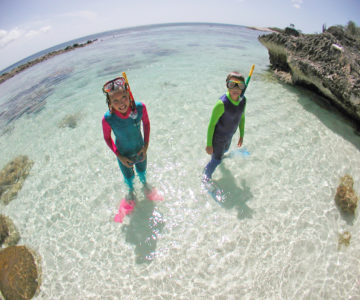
{"points": [[217, 112]]}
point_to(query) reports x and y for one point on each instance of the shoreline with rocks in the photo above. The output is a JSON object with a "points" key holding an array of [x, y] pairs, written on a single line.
{"points": [[18, 69], [327, 64]]}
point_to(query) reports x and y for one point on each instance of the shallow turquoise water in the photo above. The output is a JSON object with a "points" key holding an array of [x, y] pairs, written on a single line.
{"points": [[274, 237]]}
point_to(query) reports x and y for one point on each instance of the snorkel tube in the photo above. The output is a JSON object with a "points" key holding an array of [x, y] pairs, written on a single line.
{"points": [[247, 80], [129, 90]]}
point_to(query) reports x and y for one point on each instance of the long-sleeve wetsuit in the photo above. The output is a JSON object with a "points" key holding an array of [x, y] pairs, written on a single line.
{"points": [[226, 117], [128, 138]]}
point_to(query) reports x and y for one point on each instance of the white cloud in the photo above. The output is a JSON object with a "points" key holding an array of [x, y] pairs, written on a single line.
{"points": [[297, 3], [32, 33], [6, 37], [84, 14]]}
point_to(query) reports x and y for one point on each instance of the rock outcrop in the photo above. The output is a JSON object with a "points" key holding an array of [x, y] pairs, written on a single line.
{"points": [[20, 275], [12, 177], [346, 197], [9, 235], [328, 63]]}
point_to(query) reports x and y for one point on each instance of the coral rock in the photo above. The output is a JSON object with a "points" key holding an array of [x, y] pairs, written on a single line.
{"points": [[19, 273], [344, 239], [346, 197], [69, 121], [9, 235], [12, 177], [328, 63]]}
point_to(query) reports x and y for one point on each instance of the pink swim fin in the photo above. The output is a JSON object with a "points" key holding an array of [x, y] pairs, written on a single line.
{"points": [[126, 208], [154, 195]]}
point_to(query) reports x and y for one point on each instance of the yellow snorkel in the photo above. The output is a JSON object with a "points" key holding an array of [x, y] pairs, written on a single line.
{"points": [[248, 80], [129, 90]]}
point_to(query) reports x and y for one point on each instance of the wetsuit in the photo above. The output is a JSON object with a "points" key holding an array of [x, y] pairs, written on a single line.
{"points": [[128, 139], [226, 117]]}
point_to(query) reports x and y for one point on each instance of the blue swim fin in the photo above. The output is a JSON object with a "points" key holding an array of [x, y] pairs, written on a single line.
{"points": [[239, 152]]}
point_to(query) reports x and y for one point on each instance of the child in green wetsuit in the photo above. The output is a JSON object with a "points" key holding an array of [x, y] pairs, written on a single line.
{"points": [[228, 114]]}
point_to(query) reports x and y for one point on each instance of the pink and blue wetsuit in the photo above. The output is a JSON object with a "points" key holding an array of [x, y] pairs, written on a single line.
{"points": [[128, 139]]}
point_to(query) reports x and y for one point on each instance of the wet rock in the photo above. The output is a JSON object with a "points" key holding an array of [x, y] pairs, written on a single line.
{"points": [[31, 100], [20, 273], [12, 177], [69, 121], [346, 197], [9, 235], [344, 239], [327, 63]]}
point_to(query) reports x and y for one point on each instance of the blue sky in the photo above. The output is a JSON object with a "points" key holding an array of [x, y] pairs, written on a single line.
{"points": [[29, 26]]}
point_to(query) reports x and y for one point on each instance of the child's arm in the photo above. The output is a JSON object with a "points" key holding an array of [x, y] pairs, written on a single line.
{"points": [[146, 129], [242, 125], [242, 128], [107, 137], [217, 112], [146, 126]]}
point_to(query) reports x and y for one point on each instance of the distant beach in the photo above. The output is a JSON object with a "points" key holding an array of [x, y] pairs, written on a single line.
{"points": [[265, 29], [16, 70]]}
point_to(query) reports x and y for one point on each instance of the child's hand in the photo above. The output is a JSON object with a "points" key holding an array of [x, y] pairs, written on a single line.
{"points": [[209, 150], [142, 153], [125, 161]]}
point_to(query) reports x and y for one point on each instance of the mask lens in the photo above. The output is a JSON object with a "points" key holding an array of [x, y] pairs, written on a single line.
{"points": [[232, 84], [114, 84], [118, 83]]}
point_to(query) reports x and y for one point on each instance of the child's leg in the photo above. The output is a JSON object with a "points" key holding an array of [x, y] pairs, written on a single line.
{"points": [[150, 192], [141, 170], [211, 166], [220, 147], [128, 175], [227, 145]]}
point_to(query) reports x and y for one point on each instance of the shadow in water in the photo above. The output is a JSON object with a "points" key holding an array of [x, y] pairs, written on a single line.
{"points": [[331, 116], [347, 217], [233, 197], [146, 223]]}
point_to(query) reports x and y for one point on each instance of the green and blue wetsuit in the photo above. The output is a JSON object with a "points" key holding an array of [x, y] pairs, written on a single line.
{"points": [[226, 117]]}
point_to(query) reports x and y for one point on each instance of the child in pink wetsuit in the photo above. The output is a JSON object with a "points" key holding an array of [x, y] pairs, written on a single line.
{"points": [[124, 119]]}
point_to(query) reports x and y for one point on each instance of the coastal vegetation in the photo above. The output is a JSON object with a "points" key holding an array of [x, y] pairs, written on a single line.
{"points": [[13, 72]]}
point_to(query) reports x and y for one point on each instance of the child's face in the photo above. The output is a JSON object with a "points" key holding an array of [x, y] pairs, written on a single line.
{"points": [[120, 101], [235, 92]]}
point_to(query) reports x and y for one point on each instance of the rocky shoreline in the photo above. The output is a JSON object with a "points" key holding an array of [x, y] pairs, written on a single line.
{"points": [[20, 266], [17, 70], [327, 63]]}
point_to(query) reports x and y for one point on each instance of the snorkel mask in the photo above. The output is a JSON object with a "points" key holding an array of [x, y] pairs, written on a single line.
{"points": [[117, 84]]}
